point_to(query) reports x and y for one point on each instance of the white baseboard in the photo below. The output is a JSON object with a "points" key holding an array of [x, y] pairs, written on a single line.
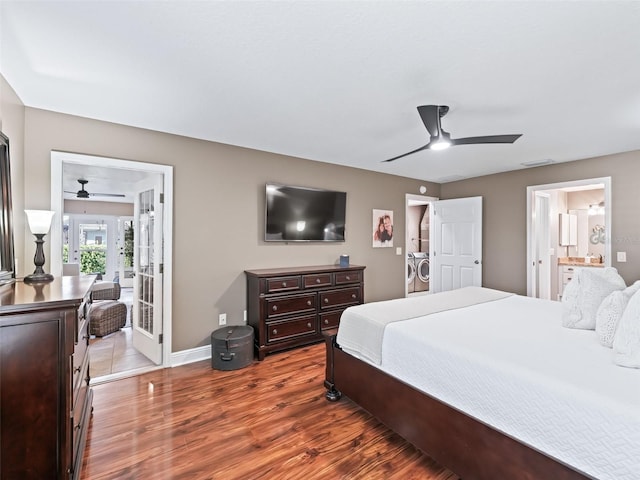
{"points": [[189, 356]]}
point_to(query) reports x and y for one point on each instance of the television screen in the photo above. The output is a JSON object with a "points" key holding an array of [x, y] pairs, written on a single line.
{"points": [[304, 214]]}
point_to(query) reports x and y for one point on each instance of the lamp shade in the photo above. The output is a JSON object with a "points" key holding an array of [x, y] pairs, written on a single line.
{"points": [[39, 220]]}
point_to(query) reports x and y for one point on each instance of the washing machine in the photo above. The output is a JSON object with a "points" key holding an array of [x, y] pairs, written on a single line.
{"points": [[411, 273], [421, 261]]}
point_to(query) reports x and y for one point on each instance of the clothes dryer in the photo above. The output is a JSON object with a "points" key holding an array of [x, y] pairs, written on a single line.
{"points": [[411, 273], [421, 282]]}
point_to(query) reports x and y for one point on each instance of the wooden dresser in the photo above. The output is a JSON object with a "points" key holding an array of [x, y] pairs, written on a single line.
{"points": [[45, 399], [289, 307]]}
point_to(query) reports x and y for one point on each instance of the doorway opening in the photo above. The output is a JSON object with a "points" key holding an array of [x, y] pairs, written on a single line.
{"points": [[567, 222], [104, 231], [418, 225]]}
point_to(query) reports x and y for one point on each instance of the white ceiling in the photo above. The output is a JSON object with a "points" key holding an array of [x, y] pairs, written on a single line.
{"points": [[339, 81]]}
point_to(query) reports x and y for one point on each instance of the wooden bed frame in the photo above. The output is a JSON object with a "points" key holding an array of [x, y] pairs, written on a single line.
{"points": [[466, 446]]}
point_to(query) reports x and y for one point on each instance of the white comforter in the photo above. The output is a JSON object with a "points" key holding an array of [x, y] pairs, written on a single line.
{"points": [[362, 327], [510, 364]]}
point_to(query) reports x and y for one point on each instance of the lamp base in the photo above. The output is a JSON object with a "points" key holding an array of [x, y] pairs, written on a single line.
{"points": [[38, 278]]}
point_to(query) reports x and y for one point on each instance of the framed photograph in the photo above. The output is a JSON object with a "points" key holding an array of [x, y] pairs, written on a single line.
{"points": [[382, 228]]}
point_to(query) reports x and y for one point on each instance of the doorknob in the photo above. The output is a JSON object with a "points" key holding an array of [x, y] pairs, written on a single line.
{"points": [[477, 262]]}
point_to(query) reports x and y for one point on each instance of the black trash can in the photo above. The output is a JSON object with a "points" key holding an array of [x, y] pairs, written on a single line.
{"points": [[232, 347]]}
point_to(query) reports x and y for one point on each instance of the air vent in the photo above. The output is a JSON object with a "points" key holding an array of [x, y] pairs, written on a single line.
{"points": [[537, 163]]}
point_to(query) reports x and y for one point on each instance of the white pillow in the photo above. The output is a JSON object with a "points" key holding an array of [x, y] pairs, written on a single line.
{"points": [[626, 342], [610, 311], [585, 292]]}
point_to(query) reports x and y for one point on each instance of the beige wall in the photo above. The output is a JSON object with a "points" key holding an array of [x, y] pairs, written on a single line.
{"points": [[505, 216], [219, 210]]}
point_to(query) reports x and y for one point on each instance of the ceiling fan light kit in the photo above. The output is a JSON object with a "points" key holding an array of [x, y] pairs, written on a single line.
{"points": [[431, 116]]}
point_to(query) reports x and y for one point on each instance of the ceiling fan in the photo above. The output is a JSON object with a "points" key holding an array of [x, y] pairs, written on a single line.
{"points": [[82, 193], [431, 116]]}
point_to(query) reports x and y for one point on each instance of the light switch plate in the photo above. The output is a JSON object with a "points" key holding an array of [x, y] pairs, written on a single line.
{"points": [[398, 250], [622, 256]]}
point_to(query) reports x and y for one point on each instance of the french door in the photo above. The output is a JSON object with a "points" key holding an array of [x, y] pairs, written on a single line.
{"points": [[148, 267], [90, 241]]}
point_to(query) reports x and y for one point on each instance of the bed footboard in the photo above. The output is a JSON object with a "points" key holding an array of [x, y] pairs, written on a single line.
{"points": [[457, 441]]}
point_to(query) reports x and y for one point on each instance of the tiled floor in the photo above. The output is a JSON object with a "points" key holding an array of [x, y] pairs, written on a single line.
{"points": [[114, 353]]}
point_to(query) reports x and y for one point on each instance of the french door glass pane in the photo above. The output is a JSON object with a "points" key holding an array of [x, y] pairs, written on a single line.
{"points": [[145, 261]]}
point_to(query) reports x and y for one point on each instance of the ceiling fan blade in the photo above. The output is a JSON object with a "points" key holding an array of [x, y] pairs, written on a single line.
{"points": [[486, 139], [409, 153], [107, 195], [430, 115]]}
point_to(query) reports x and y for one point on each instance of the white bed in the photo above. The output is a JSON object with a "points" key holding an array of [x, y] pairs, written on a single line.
{"points": [[510, 364]]}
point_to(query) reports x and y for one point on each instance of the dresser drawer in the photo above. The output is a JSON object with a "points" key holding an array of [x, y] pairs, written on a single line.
{"points": [[283, 330], [348, 277], [81, 346], [283, 284], [330, 319], [566, 277], [319, 280], [80, 350], [279, 306], [79, 416], [337, 298], [80, 384]]}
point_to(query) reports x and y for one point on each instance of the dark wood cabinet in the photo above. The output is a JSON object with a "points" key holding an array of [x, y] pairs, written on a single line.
{"points": [[290, 307], [45, 399]]}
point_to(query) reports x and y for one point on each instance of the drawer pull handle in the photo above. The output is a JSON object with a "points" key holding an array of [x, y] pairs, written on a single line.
{"points": [[326, 300], [348, 277], [354, 296], [275, 331], [78, 426], [317, 280], [284, 284], [326, 321], [77, 369], [275, 308], [309, 302], [308, 324]]}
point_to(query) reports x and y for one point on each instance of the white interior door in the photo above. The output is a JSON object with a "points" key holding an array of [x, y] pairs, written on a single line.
{"points": [[456, 243], [91, 243], [148, 267], [542, 260]]}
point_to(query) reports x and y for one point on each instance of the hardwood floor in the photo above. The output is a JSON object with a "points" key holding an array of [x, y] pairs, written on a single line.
{"points": [[267, 421]]}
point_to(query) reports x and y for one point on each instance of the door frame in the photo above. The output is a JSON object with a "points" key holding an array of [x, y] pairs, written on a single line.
{"points": [[55, 238], [410, 200], [605, 181]]}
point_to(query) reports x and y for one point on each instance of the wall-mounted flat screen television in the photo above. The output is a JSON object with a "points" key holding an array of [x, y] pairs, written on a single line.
{"points": [[300, 214]]}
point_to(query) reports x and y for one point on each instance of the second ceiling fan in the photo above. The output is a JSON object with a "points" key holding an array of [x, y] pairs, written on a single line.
{"points": [[82, 193], [431, 116]]}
